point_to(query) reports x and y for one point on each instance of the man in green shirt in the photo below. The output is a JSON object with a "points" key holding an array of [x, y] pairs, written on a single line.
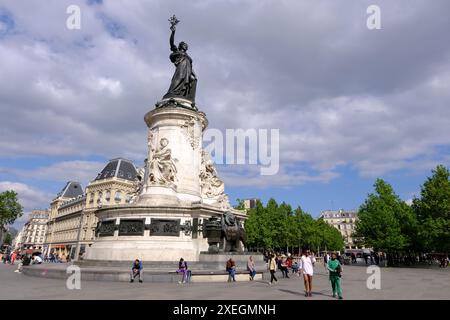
{"points": [[335, 268]]}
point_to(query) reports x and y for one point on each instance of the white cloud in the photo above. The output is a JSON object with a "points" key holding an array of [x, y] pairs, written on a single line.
{"points": [[340, 94], [29, 197], [77, 170]]}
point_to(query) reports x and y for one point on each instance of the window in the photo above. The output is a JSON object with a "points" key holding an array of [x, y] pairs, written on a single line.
{"points": [[108, 195], [91, 198], [118, 196], [100, 196], [128, 198]]}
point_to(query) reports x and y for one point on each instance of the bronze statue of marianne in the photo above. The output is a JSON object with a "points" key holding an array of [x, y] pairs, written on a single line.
{"points": [[184, 81]]}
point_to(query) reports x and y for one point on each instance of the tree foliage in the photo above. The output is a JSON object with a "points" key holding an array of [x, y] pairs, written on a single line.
{"points": [[433, 211], [277, 226], [8, 239], [10, 208], [384, 220]]}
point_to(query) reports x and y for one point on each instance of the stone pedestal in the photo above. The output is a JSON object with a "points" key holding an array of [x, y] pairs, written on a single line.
{"points": [[178, 190], [174, 157]]}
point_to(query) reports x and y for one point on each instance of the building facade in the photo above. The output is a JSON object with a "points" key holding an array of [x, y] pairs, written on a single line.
{"points": [[115, 184], [250, 203], [345, 222], [72, 223], [32, 235], [17, 243], [65, 216]]}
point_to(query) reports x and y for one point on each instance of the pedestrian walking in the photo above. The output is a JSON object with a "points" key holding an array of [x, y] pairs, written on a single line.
{"points": [[307, 266], [335, 269], [13, 257], [284, 266], [272, 269], [353, 257], [326, 258]]}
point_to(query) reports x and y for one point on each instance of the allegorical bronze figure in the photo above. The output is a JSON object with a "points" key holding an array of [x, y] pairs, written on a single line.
{"points": [[184, 80]]}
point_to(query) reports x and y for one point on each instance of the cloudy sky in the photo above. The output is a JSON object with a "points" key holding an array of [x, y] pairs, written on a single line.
{"points": [[351, 104]]}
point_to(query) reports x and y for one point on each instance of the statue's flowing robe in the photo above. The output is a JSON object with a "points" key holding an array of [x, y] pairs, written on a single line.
{"points": [[183, 85]]}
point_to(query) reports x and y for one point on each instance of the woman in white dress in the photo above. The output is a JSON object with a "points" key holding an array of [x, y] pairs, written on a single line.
{"points": [[307, 266]]}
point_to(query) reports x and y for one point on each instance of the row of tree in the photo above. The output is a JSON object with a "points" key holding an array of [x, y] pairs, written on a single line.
{"points": [[387, 223], [278, 227]]}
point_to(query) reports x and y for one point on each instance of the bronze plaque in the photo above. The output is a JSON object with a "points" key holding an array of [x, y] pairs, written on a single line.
{"points": [[165, 227]]}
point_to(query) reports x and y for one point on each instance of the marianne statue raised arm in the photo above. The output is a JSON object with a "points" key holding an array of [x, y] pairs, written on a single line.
{"points": [[184, 81]]}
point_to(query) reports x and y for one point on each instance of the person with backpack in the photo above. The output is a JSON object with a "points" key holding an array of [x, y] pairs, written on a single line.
{"points": [[335, 269]]}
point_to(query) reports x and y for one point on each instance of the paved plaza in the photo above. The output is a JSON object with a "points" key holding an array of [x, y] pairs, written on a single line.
{"points": [[396, 283]]}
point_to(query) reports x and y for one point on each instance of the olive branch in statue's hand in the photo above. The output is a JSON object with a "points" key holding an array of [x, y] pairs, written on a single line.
{"points": [[173, 22]]}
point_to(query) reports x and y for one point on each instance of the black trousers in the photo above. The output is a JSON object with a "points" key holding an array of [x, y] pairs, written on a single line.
{"points": [[272, 276]]}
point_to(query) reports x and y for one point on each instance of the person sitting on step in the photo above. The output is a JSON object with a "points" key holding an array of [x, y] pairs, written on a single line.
{"points": [[137, 270]]}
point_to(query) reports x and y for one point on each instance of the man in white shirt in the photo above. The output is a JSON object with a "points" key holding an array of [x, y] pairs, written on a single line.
{"points": [[37, 260], [307, 266]]}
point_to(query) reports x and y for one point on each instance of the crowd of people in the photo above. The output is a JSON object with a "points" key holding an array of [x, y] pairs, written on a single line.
{"points": [[300, 266], [303, 266], [22, 259]]}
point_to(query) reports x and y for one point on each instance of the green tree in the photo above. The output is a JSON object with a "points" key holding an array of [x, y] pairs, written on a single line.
{"points": [[8, 239], [240, 204], [278, 227], [433, 211], [254, 226], [331, 238], [379, 222], [10, 208]]}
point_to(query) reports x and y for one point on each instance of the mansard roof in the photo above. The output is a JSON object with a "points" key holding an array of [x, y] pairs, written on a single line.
{"points": [[71, 190], [119, 168]]}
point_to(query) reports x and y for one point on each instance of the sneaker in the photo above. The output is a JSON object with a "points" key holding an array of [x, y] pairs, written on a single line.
{"points": [[179, 282], [334, 296], [340, 298], [140, 281], [131, 280], [310, 294], [306, 294]]}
